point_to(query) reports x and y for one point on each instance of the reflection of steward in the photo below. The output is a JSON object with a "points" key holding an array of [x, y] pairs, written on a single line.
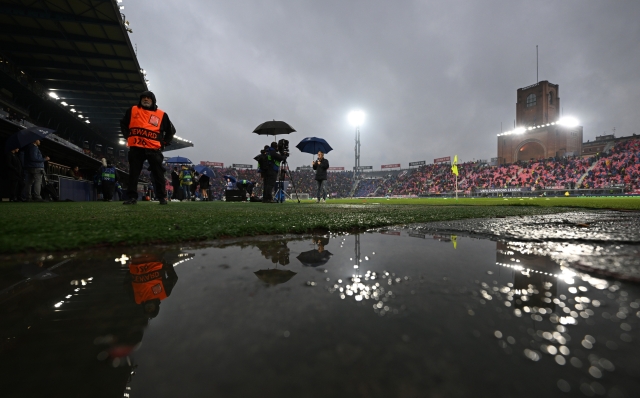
{"points": [[151, 279], [147, 130]]}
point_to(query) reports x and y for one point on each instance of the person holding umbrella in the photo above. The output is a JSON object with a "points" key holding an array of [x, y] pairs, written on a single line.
{"points": [[34, 168], [148, 131], [321, 165]]}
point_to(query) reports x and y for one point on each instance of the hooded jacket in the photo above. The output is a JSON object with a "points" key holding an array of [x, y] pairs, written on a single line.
{"points": [[139, 126]]}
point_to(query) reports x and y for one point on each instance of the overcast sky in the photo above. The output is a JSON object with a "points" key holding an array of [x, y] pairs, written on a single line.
{"points": [[435, 78]]}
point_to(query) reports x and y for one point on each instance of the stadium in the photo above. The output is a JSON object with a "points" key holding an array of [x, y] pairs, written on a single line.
{"points": [[512, 275]]}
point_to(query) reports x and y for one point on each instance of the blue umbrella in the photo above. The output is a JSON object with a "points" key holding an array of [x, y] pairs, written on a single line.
{"points": [[25, 137], [314, 144], [179, 159], [205, 170], [232, 178]]}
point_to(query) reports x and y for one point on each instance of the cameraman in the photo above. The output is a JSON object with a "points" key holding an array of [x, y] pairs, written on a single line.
{"points": [[321, 165], [271, 173]]}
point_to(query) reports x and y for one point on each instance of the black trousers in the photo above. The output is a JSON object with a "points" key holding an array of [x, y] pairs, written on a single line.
{"points": [[107, 189], [15, 189], [269, 184], [177, 192], [137, 156]]}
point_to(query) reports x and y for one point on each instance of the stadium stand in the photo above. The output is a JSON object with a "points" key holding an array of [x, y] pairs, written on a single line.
{"points": [[73, 70]]}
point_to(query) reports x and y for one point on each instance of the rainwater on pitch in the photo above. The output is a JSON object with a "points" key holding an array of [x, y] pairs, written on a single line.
{"points": [[392, 313]]}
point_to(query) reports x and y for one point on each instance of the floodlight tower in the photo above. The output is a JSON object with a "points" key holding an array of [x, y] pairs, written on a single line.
{"points": [[356, 118]]}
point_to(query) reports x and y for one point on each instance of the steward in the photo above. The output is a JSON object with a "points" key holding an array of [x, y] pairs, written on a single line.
{"points": [[148, 131]]}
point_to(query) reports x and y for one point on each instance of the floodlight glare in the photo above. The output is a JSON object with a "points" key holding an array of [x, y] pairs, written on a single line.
{"points": [[356, 118], [569, 121], [519, 130], [64, 103], [53, 95]]}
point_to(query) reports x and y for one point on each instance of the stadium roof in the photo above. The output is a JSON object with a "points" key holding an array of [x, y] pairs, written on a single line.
{"points": [[80, 53]]}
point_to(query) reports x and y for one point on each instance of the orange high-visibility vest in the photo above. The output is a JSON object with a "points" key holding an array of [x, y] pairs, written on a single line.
{"points": [[147, 281], [144, 128]]}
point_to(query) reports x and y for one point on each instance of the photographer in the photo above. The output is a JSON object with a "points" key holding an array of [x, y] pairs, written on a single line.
{"points": [[321, 165], [271, 173]]}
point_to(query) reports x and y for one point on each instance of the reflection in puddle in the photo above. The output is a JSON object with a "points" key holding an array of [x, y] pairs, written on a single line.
{"points": [[554, 333], [394, 314]]}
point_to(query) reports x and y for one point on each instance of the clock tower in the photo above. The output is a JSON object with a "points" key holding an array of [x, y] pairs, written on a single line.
{"points": [[540, 133], [537, 104]]}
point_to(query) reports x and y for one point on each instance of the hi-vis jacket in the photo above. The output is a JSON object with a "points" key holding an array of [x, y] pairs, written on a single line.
{"points": [[144, 128], [146, 279]]}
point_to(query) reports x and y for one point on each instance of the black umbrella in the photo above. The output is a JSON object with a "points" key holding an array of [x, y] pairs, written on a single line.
{"points": [[274, 276], [25, 137], [314, 258], [274, 127]]}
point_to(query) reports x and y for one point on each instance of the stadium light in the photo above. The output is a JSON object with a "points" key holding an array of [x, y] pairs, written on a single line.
{"points": [[53, 95], [87, 121], [121, 142], [519, 130], [64, 103], [356, 118], [569, 121], [72, 110]]}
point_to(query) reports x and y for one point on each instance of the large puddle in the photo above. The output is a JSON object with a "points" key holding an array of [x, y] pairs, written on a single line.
{"points": [[393, 314]]}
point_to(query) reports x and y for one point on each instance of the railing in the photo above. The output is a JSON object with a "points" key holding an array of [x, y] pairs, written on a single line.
{"points": [[57, 169]]}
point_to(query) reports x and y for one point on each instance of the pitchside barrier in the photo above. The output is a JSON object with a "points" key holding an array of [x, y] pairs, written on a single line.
{"points": [[301, 196]]}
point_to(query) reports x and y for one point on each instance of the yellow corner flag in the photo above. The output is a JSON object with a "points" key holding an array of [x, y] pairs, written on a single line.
{"points": [[454, 167], [454, 239]]}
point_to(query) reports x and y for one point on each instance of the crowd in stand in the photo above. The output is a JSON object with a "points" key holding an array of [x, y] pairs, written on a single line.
{"points": [[619, 167]]}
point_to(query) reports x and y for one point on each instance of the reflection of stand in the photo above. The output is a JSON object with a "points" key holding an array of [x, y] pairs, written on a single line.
{"points": [[280, 192]]}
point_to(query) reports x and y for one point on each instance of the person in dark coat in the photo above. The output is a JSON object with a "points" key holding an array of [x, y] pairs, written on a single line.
{"points": [[175, 183], [205, 182], [321, 165], [14, 174], [271, 172]]}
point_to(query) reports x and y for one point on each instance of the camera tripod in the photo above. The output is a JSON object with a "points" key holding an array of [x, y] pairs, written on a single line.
{"points": [[280, 193]]}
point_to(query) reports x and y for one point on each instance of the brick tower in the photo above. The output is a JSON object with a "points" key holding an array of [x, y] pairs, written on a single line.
{"points": [[537, 134]]}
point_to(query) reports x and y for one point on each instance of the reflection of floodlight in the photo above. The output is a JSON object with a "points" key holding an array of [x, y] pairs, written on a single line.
{"points": [[53, 95], [519, 130], [568, 121], [356, 118]]}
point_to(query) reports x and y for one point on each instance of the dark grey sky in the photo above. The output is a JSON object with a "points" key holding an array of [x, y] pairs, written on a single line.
{"points": [[435, 78]]}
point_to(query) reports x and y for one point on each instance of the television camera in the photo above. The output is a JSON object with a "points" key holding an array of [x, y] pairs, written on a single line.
{"points": [[283, 147]]}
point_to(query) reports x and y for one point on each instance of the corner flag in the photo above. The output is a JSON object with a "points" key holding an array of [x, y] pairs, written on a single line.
{"points": [[454, 167]]}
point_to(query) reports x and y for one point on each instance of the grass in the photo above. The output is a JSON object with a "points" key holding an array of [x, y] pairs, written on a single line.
{"points": [[79, 225]]}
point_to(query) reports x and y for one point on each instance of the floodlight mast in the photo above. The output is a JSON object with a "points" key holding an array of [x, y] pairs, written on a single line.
{"points": [[356, 118]]}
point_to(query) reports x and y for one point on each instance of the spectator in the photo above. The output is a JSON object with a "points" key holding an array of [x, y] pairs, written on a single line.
{"points": [[15, 175], [175, 183], [75, 173]]}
